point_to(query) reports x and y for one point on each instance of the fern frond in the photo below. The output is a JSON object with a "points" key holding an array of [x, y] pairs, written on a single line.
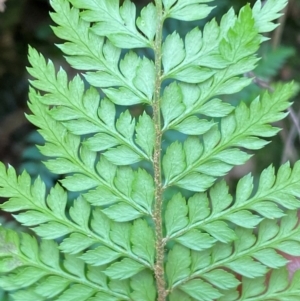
{"points": [[84, 116], [152, 220], [115, 22], [187, 10], [204, 272], [48, 278], [211, 54], [202, 220], [216, 155], [88, 51], [114, 185], [48, 218], [278, 287], [265, 14]]}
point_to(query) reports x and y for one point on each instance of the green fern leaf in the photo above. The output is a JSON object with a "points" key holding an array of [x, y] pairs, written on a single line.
{"points": [[187, 10], [264, 14], [153, 218]]}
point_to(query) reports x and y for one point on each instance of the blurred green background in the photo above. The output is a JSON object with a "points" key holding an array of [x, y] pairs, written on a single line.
{"points": [[24, 22]]}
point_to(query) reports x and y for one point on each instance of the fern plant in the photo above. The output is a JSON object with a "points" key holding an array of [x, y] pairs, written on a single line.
{"points": [[152, 221]]}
